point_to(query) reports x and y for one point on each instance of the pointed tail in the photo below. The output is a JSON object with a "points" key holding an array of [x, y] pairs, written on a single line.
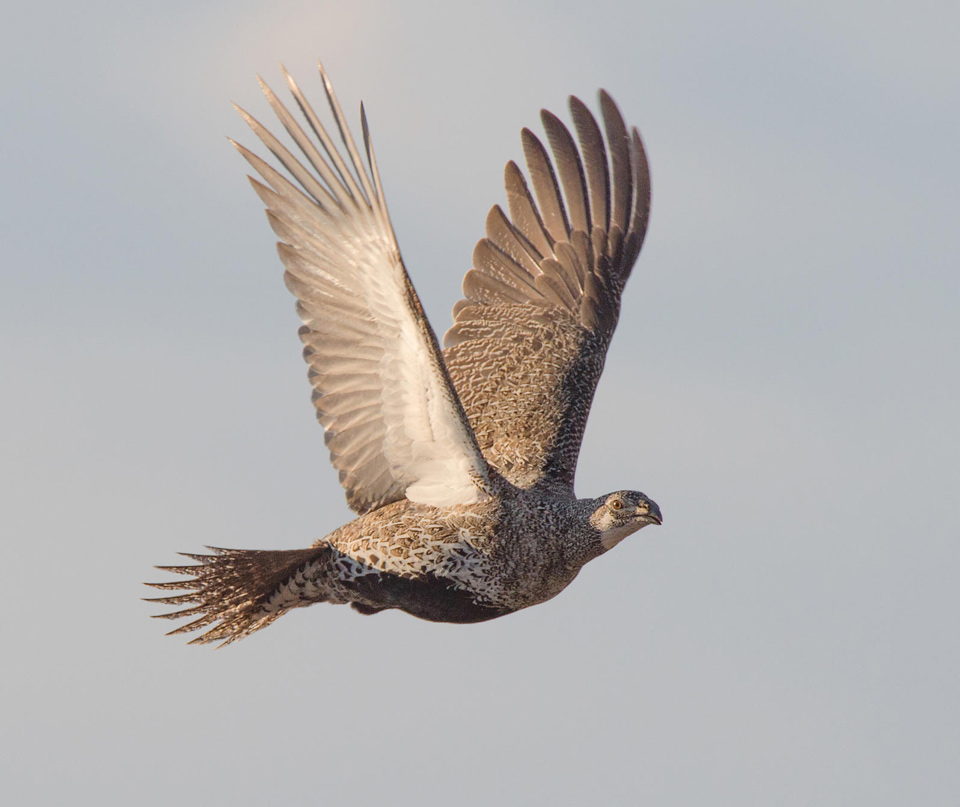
{"points": [[243, 590]]}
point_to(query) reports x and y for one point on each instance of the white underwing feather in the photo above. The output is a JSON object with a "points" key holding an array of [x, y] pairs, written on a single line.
{"points": [[395, 427]]}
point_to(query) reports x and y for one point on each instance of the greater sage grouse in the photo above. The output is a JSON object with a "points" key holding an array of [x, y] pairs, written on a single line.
{"points": [[460, 462]]}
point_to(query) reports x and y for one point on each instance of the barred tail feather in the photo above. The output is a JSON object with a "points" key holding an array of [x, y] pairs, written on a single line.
{"points": [[243, 590]]}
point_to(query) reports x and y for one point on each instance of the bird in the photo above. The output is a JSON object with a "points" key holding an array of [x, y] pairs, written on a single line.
{"points": [[459, 462]]}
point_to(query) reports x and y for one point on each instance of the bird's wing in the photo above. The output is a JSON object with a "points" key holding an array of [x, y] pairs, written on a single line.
{"points": [[540, 305], [394, 424]]}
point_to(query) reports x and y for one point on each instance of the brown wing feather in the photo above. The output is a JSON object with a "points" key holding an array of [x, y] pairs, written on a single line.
{"points": [[529, 340]]}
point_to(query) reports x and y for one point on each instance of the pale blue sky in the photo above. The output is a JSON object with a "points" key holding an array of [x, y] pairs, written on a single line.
{"points": [[784, 382]]}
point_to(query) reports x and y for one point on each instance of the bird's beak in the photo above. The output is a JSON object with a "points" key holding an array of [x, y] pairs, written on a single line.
{"points": [[653, 514]]}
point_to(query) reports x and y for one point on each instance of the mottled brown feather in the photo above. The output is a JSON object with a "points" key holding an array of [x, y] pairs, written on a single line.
{"points": [[526, 382]]}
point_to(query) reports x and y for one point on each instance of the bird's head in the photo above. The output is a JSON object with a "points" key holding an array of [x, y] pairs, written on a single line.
{"points": [[621, 514]]}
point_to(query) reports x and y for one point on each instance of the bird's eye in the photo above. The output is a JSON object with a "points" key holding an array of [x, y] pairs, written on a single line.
{"points": [[617, 504]]}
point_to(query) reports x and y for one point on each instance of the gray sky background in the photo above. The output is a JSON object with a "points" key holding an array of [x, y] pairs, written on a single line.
{"points": [[784, 382]]}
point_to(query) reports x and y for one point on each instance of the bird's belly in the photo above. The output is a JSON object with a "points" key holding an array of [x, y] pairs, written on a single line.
{"points": [[463, 586], [437, 600]]}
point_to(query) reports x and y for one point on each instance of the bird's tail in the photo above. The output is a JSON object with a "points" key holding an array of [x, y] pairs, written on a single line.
{"points": [[243, 589]]}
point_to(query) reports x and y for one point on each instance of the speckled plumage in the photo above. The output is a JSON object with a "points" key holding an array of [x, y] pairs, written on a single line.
{"points": [[460, 463]]}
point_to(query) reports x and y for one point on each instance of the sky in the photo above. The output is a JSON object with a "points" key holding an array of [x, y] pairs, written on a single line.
{"points": [[784, 383]]}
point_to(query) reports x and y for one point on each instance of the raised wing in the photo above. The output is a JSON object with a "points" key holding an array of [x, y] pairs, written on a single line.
{"points": [[529, 340], [394, 425]]}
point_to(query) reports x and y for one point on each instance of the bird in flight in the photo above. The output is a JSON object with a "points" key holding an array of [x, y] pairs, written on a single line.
{"points": [[459, 462]]}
